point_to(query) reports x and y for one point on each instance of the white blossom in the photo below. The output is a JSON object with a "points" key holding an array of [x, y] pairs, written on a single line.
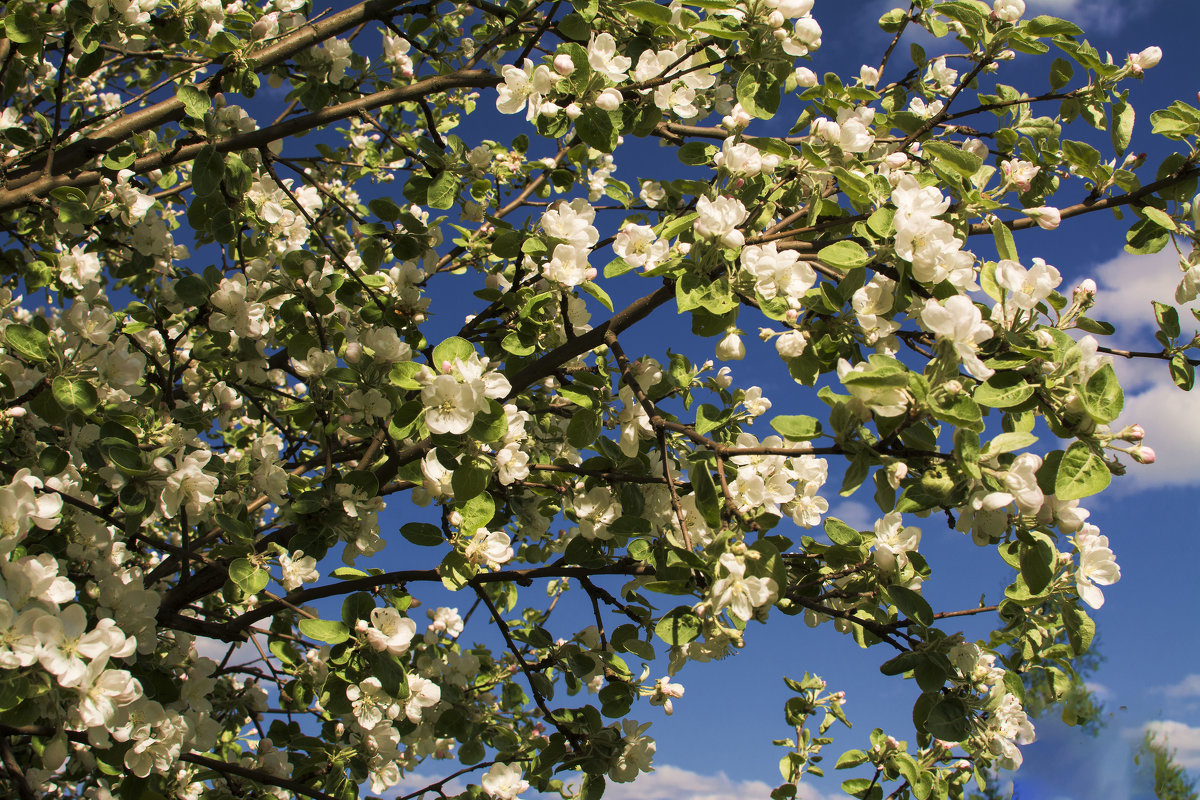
{"points": [[959, 322], [1097, 565]]}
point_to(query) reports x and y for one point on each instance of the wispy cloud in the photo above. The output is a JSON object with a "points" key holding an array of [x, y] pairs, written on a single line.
{"points": [[1188, 687], [673, 783], [857, 515]]}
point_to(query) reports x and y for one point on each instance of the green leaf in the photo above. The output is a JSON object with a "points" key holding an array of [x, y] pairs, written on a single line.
{"points": [[1051, 26], [844, 255], [1160, 218], [964, 163], [196, 101], [249, 578], [1005, 245], [1037, 563], [583, 429], [949, 720], [29, 342], [53, 460], [595, 128], [1146, 237], [442, 190], [1081, 473], [192, 290], [798, 428], [1182, 372], [678, 626], [1061, 73], [74, 394], [404, 374], [477, 512], [1102, 396], [596, 291], [911, 604], [1120, 125], [455, 571], [422, 533], [841, 533], [890, 23], [1003, 390], [324, 630], [207, 171], [1167, 318], [450, 350], [758, 93], [470, 479], [385, 208], [651, 12], [1080, 628]]}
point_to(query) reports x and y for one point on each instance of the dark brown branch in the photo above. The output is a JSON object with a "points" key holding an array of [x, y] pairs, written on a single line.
{"points": [[24, 192]]}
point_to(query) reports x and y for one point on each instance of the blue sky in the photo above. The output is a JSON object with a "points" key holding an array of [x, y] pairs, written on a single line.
{"points": [[718, 743]]}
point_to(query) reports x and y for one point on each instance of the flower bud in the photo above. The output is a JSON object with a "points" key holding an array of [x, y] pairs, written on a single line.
{"points": [[731, 348], [868, 75], [1047, 217], [1139, 62], [1134, 433], [353, 352], [805, 77], [1143, 454], [775, 19], [455, 518], [1086, 289], [609, 100], [563, 64], [573, 111]]}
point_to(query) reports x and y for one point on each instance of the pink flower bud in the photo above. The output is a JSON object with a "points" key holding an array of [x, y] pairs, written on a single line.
{"points": [[1143, 454], [446, 366], [1087, 287], [1134, 433], [563, 64], [591, 274]]}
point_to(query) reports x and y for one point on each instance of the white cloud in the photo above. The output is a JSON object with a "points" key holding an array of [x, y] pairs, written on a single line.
{"points": [[1169, 416], [672, 783], [1180, 737], [1188, 687], [1128, 284], [1100, 691], [857, 515]]}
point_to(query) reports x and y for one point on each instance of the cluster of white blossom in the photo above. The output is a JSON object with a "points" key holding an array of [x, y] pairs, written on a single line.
{"points": [[777, 484], [457, 391]]}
